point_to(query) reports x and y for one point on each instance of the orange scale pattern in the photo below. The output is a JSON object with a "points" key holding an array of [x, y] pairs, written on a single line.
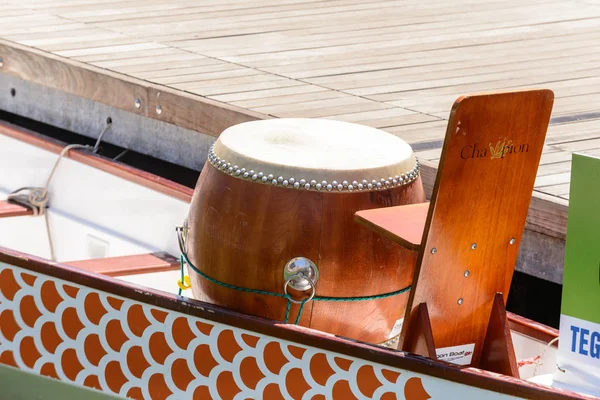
{"points": [[140, 351]]}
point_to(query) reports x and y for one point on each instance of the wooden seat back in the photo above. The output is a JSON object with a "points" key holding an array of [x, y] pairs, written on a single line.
{"points": [[476, 218]]}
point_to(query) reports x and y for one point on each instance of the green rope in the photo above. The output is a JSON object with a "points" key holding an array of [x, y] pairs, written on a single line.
{"points": [[300, 311], [181, 268], [184, 259]]}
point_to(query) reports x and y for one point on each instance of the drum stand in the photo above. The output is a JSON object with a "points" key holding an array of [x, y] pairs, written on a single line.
{"points": [[467, 237]]}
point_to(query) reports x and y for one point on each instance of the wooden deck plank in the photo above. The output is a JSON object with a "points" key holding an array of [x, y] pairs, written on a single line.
{"points": [[273, 22], [149, 69], [261, 60], [334, 111], [285, 111], [167, 58], [260, 94], [113, 55], [208, 76], [441, 72], [325, 64], [288, 100], [397, 37], [556, 79]]}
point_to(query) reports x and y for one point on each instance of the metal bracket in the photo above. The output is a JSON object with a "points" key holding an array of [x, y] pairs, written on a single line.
{"points": [[182, 235], [298, 271]]}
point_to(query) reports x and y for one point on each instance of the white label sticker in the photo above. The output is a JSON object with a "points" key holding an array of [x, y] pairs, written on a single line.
{"points": [[460, 355], [397, 328]]}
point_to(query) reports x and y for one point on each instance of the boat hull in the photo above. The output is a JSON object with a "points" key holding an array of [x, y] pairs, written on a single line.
{"points": [[127, 340]]}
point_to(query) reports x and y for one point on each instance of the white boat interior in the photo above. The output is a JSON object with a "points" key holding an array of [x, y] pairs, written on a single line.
{"points": [[92, 213]]}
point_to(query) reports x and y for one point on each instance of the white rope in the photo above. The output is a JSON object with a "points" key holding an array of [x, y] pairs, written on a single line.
{"points": [[106, 128], [49, 234], [36, 198], [541, 360]]}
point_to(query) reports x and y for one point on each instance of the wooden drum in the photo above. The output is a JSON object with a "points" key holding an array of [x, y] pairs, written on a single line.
{"points": [[279, 189]]}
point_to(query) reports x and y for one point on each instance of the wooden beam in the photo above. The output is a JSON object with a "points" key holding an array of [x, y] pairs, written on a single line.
{"points": [[13, 210], [73, 77], [195, 112], [121, 91], [128, 265]]}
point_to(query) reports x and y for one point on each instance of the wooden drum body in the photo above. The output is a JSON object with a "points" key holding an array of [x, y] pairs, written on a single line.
{"points": [[243, 231]]}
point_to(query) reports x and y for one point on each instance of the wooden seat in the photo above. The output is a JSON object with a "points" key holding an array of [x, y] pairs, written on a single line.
{"points": [[8, 209], [471, 233], [401, 224], [128, 265]]}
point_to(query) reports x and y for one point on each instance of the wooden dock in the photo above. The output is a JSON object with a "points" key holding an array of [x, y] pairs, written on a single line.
{"points": [[394, 65]]}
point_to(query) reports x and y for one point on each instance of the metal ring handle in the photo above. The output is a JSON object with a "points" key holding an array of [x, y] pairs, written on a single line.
{"points": [[312, 288]]}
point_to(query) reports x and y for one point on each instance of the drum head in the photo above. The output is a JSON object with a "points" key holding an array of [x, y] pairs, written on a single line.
{"points": [[315, 154]]}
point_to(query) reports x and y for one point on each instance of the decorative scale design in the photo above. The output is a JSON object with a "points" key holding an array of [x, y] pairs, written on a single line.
{"points": [[82, 335], [312, 184]]}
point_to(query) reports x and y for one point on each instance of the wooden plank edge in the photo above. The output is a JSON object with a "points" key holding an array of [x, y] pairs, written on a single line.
{"points": [[360, 219], [532, 329], [121, 170], [128, 265], [8, 209], [121, 91], [547, 214]]}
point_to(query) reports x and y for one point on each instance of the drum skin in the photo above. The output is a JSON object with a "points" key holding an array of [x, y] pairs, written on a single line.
{"points": [[243, 233]]}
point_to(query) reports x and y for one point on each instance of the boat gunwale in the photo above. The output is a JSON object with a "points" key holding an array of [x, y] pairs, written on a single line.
{"points": [[305, 336], [532, 329]]}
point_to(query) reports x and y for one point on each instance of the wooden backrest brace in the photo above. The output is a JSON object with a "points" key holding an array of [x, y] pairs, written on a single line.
{"points": [[473, 227]]}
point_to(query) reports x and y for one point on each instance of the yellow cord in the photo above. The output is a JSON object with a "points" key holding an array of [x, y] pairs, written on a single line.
{"points": [[185, 284]]}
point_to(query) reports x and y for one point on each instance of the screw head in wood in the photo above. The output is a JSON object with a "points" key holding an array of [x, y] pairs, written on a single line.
{"points": [[433, 250], [158, 109], [512, 241], [473, 246], [460, 301], [137, 103], [467, 273]]}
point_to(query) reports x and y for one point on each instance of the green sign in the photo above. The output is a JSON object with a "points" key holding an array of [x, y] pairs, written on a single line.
{"points": [[581, 284]]}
